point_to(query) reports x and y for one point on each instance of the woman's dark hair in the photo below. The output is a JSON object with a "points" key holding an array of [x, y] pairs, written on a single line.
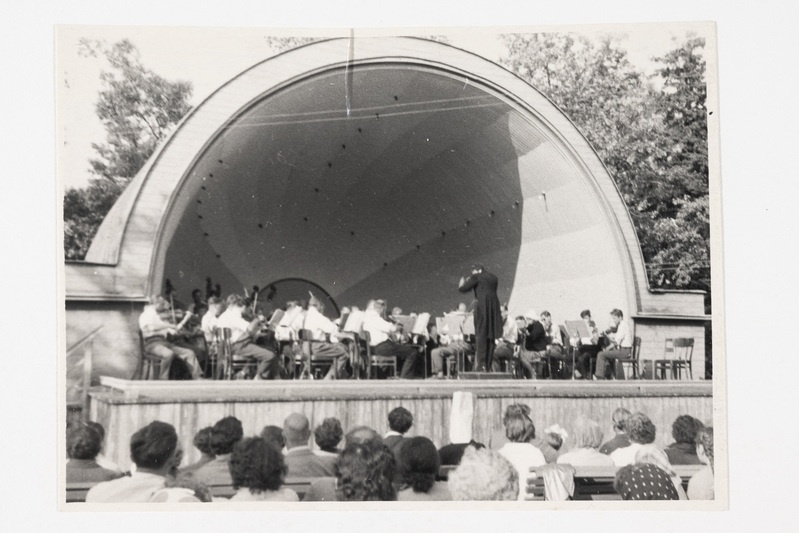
{"points": [[274, 435], [400, 420], [257, 465], [365, 472], [684, 429], [84, 442], [328, 434], [202, 441], [640, 429], [153, 445], [418, 463], [225, 434], [98, 427]]}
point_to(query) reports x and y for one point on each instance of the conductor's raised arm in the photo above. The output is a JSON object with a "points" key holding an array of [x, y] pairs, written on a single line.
{"points": [[467, 284]]}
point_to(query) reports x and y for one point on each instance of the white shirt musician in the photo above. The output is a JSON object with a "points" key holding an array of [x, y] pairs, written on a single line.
{"points": [[620, 348], [156, 333]]}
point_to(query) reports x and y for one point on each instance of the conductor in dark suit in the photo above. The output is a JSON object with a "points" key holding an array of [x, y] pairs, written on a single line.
{"points": [[487, 317]]}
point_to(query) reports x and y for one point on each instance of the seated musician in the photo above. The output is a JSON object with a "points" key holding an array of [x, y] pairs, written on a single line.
{"points": [[242, 338], [506, 349], [380, 330], [159, 337], [558, 362], [534, 350], [209, 322], [619, 349], [587, 348], [320, 326], [198, 306], [450, 344]]}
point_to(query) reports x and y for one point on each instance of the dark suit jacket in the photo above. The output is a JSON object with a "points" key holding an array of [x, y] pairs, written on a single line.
{"points": [[487, 316], [393, 442], [304, 463]]}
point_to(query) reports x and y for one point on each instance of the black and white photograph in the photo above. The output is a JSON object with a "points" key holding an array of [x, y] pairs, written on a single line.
{"points": [[456, 265]]}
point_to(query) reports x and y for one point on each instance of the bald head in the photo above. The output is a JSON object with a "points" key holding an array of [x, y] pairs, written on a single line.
{"points": [[296, 430], [362, 435]]}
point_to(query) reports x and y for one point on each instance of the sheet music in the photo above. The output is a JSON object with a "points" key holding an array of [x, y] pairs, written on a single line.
{"points": [[276, 317], [578, 328], [420, 327], [468, 325]]}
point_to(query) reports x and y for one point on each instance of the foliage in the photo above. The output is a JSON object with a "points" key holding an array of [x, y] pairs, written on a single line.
{"points": [[653, 141], [138, 109]]}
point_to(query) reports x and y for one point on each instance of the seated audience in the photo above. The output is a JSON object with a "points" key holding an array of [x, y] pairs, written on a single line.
{"points": [[202, 441], [683, 450], [587, 437], [701, 485], [640, 430], [499, 439], [519, 450], [534, 349], [555, 436], [650, 454], [644, 482], [619, 349], [257, 471], [156, 453], [242, 339], [101, 459], [507, 347], [224, 436], [83, 446], [400, 421], [418, 467], [484, 475], [320, 326], [328, 435], [559, 363], [274, 436], [620, 439], [365, 472], [300, 460], [379, 330], [159, 337]]}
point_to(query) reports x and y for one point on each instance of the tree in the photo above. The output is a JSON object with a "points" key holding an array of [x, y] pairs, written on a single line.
{"points": [[138, 109]]}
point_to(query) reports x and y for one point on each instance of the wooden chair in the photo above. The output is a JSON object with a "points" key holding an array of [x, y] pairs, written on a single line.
{"points": [[632, 363], [316, 364], [231, 365], [386, 361], [677, 354], [150, 363]]}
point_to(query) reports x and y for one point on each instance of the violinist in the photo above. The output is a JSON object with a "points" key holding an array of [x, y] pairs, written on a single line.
{"points": [[321, 327], [619, 349], [380, 331], [242, 337], [159, 336]]}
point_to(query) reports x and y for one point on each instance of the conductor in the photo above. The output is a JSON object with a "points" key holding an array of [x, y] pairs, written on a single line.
{"points": [[487, 317]]}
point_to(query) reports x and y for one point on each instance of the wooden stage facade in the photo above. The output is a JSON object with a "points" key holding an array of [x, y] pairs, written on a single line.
{"points": [[123, 406]]}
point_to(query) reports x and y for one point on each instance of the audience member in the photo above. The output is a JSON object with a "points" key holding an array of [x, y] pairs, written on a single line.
{"points": [[400, 421], [202, 441], [451, 454], [83, 446], [620, 439], [484, 475], [257, 471], [365, 472], [519, 450], [224, 436], [587, 437], [101, 459], [274, 436], [379, 330], [498, 439], [156, 453], [640, 430], [683, 450], [555, 436], [301, 461], [644, 482], [418, 467], [328, 435], [701, 485], [650, 454], [620, 348]]}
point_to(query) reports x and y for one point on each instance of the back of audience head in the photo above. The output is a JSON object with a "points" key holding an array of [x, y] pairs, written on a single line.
{"points": [[400, 420], [98, 427], [155, 448], [84, 442], [419, 463], [620, 417], [202, 441], [704, 445], [274, 435], [587, 433], [651, 454], [225, 434], [519, 429], [628, 483], [555, 436], [684, 429], [328, 434], [296, 430], [515, 409], [365, 472], [640, 429], [257, 465], [483, 475], [362, 434]]}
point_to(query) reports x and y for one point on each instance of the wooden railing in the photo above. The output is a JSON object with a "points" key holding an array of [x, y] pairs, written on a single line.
{"points": [[86, 376]]}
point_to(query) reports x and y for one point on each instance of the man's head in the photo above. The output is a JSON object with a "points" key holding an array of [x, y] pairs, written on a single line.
{"points": [[316, 302], [521, 322], [216, 305], [616, 316], [397, 311], [463, 308], [586, 315], [225, 434], [274, 436], [400, 420], [196, 295], [477, 268], [202, 441], [329, 433], [640, 429], [235, 300], [620, 417], [684, 429], [546, 319], [296, 430], [154, 448]]}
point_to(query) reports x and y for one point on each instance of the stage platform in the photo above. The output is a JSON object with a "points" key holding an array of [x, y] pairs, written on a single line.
{"points": [[123, 406]]}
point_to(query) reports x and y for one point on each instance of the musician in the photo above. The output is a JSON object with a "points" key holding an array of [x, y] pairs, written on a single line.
{"points": [[587, 348], [487, 316], [159, 334], [380, 330], [556, 354], [319, 326], [620, 348], [506, 349], [198, 306], [534, 349], [216, 307], [450, 344], [242, 338]]}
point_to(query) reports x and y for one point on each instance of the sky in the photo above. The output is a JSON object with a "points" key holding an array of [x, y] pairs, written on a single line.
{"points": [[208, 57]]}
